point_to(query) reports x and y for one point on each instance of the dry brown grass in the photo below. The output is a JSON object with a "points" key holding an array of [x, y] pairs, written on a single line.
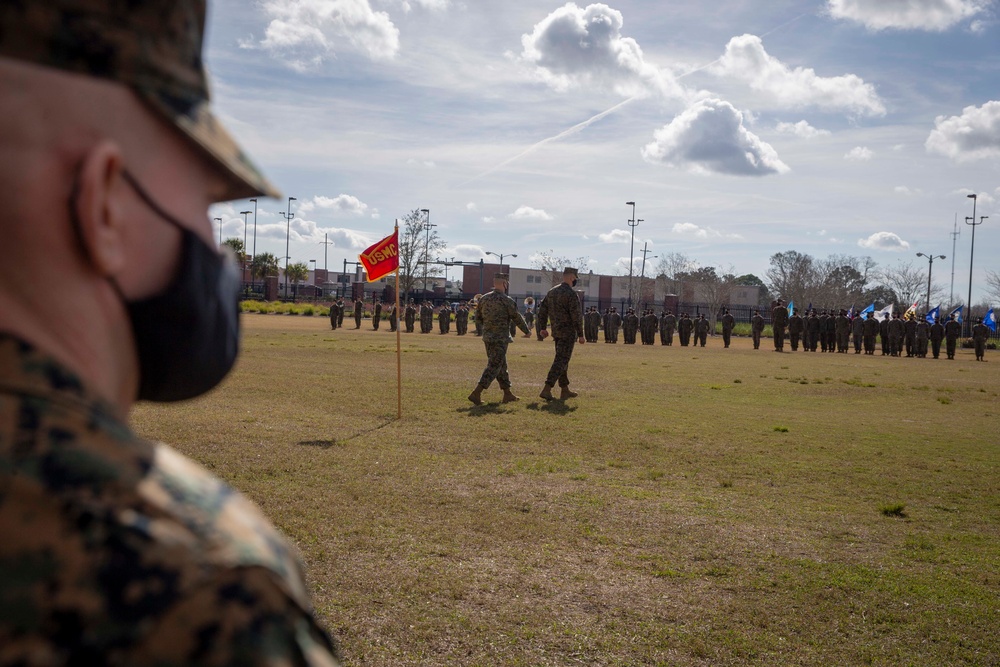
{"points": [[692, 507]]}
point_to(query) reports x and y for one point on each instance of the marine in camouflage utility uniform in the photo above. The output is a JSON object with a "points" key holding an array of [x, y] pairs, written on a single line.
{"points": [[494, 315], [117, 550], [562, 306]]}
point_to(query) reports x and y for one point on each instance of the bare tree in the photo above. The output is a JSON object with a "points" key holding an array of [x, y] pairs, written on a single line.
{"points": [[551, 265], [417, 245], [909, 283], [993, 286], [670, 265], [791, 275]]}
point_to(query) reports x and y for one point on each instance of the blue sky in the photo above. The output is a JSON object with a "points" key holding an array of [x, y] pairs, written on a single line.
{"points": [[739, 128]]}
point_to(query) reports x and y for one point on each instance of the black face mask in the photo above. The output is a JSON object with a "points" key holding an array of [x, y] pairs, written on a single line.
{"points": [[187, 336], [573, 284]]}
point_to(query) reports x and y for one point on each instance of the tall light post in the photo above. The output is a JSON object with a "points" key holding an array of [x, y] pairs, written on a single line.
{"points": [[288, 230], [253, 264], [632, 223], [642, 274], [220, 229], [954, 241], [245, 225], [972, 254], [501, 255], [427, 244], [930, 267]]}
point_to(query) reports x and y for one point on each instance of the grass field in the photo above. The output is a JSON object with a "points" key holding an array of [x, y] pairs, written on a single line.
{"points": [[694, 506]]}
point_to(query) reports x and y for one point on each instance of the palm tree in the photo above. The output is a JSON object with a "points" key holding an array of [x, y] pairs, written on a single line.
{"points": [[296, 272], [265, 264]]}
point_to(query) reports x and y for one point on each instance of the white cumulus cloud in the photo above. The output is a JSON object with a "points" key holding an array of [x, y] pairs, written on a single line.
{"points": [[801, 129], [972, 136], [710, 137], [341, 204], [904, 190], [529, 213], [859, 154], [935, 15], [695, 231], [583, 46], [466, 252], [304, 33], [746, 60], [884, 241], [615, 236]]}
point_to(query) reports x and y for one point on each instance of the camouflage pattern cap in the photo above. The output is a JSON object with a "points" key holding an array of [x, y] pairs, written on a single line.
{"points": [[153, 47], [501, 276], [570, 271]]}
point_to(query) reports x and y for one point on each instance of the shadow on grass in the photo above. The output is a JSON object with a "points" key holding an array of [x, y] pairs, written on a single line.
{"points": [[326, 444], [484, 409], [552, 407], [322, 444]]}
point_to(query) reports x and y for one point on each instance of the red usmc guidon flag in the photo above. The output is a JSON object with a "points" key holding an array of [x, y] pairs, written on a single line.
{"points": [[382, 258]]}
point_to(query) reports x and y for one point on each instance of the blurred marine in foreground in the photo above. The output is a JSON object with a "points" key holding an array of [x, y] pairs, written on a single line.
{"points": [[115, 550]]}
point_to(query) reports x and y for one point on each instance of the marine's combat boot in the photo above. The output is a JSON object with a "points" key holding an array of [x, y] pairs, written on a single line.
{"points": [[567, 393], [547, 393], [509, 397], [476, 395]]}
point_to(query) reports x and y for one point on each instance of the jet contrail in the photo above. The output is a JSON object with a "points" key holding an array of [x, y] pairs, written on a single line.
{"points": [[593, 119], [565, 133]]}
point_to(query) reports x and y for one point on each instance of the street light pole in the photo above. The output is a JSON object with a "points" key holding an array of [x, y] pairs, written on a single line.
{"points": [[220, 230], [972, 254], [288, 215], [501, 255], [954, 241], [930, 267], [642, 274], [427, 245], [632, 223], [253, 266], [245, 225]]}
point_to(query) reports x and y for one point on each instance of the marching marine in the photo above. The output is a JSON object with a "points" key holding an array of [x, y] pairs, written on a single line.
{"points": [[562, 305], [494, 313]]}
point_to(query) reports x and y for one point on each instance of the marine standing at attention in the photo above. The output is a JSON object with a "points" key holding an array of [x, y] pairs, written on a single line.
{"points": [[117, 550], [779, 320], [980, 334], [562, 306], [728, 322], [796, 327], [756, 328], [494, 314]]}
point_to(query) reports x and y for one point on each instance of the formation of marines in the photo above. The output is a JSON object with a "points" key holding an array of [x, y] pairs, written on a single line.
{"points": [[833, 331]]}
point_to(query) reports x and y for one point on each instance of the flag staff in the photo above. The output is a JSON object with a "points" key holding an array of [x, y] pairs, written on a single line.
{"points": [[379, 261], [399, 352]]}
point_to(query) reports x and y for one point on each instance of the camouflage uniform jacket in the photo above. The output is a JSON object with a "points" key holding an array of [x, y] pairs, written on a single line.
{"points": [[119, 551], [494, 315], [562, 306]]}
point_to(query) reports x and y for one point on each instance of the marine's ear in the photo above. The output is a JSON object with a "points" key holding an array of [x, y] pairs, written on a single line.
{"points": [[99, 207]]}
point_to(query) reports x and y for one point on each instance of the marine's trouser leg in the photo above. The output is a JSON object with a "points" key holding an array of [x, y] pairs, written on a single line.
{"points": [[496, 364], [560, 365]]}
